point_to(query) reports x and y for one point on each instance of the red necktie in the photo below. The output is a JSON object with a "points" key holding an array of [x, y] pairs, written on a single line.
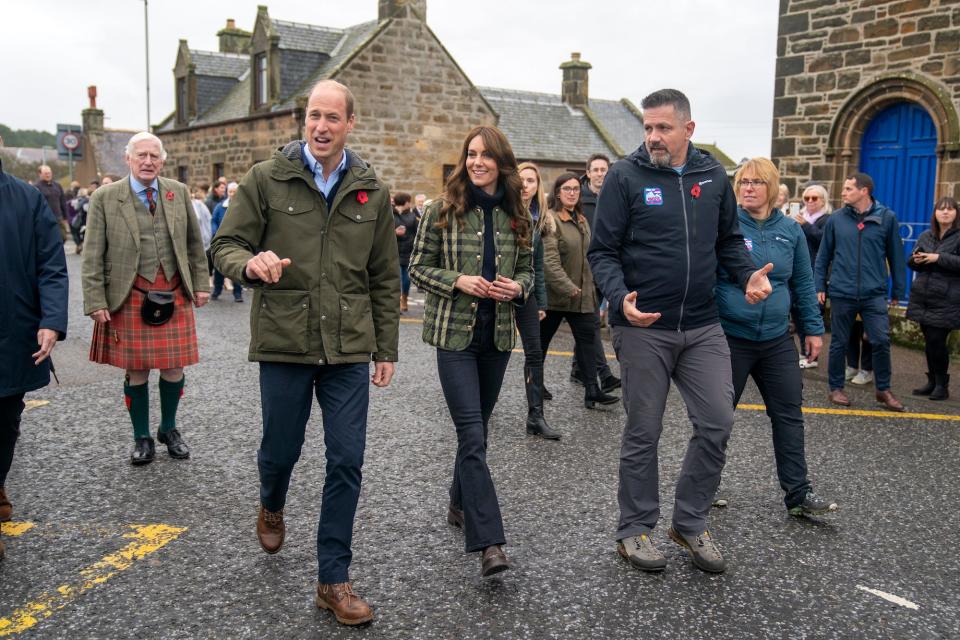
{"points": [[151, 202]]}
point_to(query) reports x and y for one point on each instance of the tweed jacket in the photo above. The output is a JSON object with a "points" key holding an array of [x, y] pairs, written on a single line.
{"points": [[111, 247], [440, 256], [565, 266]]}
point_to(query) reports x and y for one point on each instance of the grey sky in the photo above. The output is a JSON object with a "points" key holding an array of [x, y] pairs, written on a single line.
{"points": [[720, 53]]}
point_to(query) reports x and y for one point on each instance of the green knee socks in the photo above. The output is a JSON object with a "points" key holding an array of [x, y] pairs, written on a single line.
{"points": [[170, 393], [137, 399]]}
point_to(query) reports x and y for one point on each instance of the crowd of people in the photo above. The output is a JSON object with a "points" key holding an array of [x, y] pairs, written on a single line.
{"points": [[697, 277]]}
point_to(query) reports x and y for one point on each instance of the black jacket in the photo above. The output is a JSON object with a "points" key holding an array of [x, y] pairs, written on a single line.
{"points": [[33, 284], [405, 242], [662, 235], [56, 199], [588, 200], [814, 234], [935, 293]]}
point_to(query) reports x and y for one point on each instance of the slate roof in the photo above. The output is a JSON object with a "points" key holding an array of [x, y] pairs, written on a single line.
{"points": [[306, 37], [540, 126], [620, 122], [222, 65]]}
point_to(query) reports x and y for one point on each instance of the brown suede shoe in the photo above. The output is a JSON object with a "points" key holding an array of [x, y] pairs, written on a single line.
{"points": [[270, 530], [493, 560], [347, 607], [887, 399], [837, 396], [6, 509], [455, 517]]}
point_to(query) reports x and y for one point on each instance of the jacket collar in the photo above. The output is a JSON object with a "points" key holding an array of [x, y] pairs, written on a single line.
{"points": [[697, 160], [745, 218], [288, 164]]}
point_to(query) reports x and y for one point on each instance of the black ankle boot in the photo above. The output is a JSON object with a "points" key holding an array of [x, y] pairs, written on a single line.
{"points": [[940, 390], [536, 423], [926, 389], [594, 396]]}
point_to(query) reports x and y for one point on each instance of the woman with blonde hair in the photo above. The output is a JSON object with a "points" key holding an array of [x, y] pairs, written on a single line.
{"points": [[529, 315], [472, 257], [758, 334]]}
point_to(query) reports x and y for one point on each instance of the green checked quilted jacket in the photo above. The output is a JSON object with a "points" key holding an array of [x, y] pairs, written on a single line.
{"points": [[440, 256]]}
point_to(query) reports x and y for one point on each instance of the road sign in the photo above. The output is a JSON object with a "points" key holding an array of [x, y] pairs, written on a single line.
{"points": [[71, 133], [71, 141]]}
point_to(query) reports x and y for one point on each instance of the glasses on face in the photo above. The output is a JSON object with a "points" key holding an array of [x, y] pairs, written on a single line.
{"points": [[752, 183], [570, 189], [810, 198]]}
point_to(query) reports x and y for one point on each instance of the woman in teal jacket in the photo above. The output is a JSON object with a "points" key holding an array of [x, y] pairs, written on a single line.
{"points": [[759, 336]]}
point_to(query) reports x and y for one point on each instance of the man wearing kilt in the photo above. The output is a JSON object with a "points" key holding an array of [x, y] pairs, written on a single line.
{"points": [[142, 236]]}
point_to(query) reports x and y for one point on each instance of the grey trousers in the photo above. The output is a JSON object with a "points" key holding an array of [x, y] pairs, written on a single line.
{"points": [[698, 361]]}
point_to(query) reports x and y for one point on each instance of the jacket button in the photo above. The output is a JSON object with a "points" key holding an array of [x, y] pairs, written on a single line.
{"points": [[304, 305], [319, 361], [479, 233], [289, 208], [323, 317], [264, 305], [358, 217], [323, 275]]}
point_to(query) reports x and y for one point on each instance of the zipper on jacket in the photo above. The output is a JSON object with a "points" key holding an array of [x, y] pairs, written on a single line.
{"points": [[686, 230], [763, 303], [859, 237]]}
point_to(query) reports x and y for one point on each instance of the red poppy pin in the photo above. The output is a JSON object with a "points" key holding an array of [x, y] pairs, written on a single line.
{"points": [[169, 195], [695, 191], [860, 226], [362, 197], [513, 225]]}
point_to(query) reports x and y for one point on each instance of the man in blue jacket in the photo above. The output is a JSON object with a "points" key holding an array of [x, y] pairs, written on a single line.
{"points": [[33, 293], [665, 218], [859, 241]]}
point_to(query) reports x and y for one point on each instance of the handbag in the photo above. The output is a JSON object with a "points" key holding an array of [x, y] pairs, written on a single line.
{"points": [[157, 307]]}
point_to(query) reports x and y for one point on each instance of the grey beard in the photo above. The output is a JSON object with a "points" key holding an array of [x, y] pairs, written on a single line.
{"points": [[662, 158]]}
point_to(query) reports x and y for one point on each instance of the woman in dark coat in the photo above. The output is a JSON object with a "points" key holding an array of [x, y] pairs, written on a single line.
{"points": [[33, 298], [405, 221], [935, 294]]}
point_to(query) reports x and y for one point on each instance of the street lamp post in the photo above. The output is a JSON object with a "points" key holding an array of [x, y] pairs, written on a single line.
{"points": [[146, 39]]}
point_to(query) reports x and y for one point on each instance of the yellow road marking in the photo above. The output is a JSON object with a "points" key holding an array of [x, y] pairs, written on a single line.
{"points": [[862, 412], [147, 539], [33, 404], [14, 529]]}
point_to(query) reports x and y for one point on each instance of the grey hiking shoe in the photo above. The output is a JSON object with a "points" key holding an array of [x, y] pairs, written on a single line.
{"points": [[813, 505], [703, 552], [640, 552]]}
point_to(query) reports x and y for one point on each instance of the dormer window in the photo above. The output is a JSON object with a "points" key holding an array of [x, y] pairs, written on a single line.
{"points": [[260, 66]]}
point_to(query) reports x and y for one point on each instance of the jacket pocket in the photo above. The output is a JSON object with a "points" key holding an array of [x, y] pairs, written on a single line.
{"points": [[356, 324], [283, 321]]}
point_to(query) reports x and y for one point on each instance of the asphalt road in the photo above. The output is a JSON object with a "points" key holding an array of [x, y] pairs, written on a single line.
{"points": [[105, 550]]}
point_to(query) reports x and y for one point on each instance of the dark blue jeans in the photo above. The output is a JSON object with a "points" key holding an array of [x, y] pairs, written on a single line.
{"points": [[876, 324], [404, 279], [471, 382], [218, 279], [528, 325], [286, 392], [773, 366]]}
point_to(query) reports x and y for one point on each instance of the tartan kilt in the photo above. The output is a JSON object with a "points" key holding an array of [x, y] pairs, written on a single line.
{"points": [[129, 343]]}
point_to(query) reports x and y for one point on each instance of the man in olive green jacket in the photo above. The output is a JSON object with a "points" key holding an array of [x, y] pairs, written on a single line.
{"points": [[311, 232]]}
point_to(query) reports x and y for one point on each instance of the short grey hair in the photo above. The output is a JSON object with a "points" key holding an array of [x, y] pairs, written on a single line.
{"points": [[232, 185], [139, 137], [669, 97], [821, 191]]}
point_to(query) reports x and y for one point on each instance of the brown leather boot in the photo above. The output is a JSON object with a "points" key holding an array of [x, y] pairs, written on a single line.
{"points": [[403, 304], [837, 396], [270, 530], [6, 509], [887, 399], [493, 560], [347, 607]]}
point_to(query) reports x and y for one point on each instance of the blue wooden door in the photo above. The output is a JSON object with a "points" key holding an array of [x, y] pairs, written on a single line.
{"points": [[899, 153]]}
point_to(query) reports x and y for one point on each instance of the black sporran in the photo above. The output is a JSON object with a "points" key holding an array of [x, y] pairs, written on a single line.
{"points": [[157, 307]]}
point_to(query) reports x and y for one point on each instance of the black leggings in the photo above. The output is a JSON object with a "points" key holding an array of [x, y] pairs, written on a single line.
{"points": [[11, 407], [938, 357], [528, 324]]}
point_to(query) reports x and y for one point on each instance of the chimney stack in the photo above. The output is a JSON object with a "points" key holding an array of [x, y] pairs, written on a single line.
{"points": [[575, 81], [234, 40], [92, 117], [399, 8]]}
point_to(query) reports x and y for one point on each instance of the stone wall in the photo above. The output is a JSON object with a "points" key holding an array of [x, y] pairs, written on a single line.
{"points": [[840, 63], [414, 107]]}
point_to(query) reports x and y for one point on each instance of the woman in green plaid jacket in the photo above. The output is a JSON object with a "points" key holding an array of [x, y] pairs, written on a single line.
{"points": [[472, 257]]}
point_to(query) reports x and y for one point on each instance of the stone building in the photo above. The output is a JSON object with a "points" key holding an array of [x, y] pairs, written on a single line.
{"points": [[103, 149], [873, 86], [234, 107]]}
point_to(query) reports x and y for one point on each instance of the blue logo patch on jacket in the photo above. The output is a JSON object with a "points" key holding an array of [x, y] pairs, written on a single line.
{"points": [[653, 196]]}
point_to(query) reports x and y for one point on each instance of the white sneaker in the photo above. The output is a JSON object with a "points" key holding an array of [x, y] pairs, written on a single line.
{"points": [[862, 377], [849, 372], [809, 364]]}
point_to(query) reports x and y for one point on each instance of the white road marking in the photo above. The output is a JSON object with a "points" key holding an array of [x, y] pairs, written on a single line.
{"points": [[903, 602]]}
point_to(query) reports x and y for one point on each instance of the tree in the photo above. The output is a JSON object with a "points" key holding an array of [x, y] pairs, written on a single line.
{"points": [[26, 138]]}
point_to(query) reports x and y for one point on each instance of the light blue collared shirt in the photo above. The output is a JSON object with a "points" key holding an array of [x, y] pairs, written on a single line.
{"points": [[141, 190], [316, 168]]}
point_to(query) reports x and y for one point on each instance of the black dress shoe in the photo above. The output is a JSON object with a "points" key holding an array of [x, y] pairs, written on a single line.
{"points": [[609, 383], [176, 447], [143, 451]]}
